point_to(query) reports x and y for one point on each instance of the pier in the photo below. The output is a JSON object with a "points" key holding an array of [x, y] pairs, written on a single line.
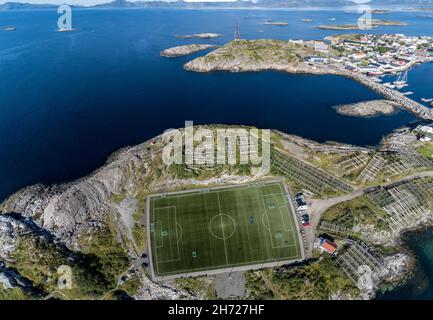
{"points": [[418, 109]]}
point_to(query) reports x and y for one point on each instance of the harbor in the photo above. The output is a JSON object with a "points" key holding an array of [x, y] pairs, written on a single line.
{"points": [[418, 109]]}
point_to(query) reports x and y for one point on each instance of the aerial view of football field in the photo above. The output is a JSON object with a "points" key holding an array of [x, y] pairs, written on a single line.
{"points": [[222, 229]]}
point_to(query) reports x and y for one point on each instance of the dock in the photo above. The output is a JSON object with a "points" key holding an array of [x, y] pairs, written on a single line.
{"points": [[416, 108]]}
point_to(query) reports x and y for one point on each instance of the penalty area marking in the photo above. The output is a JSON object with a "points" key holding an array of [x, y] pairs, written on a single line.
{"points": [[162, 237]]}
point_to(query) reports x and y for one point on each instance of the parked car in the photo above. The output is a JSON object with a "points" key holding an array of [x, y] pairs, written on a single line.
{"points": [[305, 220]]}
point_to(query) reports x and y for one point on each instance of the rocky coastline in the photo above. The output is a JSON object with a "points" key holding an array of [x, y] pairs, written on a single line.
{"points": [[368, 108], [180, 51], [374, 23], [209, 35], [232, 59], [71, 213]]}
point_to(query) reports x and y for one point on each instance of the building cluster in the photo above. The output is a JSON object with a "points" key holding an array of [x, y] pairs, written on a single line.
{"points": [[425, 132], [373, 54]]}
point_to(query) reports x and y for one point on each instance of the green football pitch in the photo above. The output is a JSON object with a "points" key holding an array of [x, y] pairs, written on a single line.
{"points": [[211, 229]]}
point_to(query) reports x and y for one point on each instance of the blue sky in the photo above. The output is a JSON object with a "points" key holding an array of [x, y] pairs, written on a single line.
{"points": [[84, 2]]}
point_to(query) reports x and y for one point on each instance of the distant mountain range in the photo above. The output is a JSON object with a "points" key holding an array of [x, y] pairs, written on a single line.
{"points": [[235, 4]]}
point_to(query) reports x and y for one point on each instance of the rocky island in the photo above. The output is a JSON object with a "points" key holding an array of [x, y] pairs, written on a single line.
{"points": [[97, 224], [276, 23], [254, 55], [368, 108], [374, 23], [185, 50], [380, 11], [208, 35]]}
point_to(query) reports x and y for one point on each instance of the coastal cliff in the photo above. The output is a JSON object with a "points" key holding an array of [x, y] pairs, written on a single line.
{"points": [[97, 224]]}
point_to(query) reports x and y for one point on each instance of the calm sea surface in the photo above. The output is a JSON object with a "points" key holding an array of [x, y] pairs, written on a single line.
{"points": [[67, 100]]}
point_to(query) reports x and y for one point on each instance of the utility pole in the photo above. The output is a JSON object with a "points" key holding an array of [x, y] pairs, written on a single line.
{"points": [[237, 31]]}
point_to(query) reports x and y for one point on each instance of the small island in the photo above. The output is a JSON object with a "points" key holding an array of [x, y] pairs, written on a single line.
{"points": [[380, 11], [185, 50], [368, 109], [276, 23], [374, 23], [209, 35]]}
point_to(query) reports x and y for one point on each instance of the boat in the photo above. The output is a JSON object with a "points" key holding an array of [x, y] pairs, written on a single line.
{"points": [[375, 73], [307, 20], [401, 81], [9, 28], [389, 85], [407, 93], [400, 85], [332, 19], [426, 100]]}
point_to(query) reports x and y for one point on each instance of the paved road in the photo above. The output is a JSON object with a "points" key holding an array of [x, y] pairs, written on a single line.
{"points": [[319, 206]]}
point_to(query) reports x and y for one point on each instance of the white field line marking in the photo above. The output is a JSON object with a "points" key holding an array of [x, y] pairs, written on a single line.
{"points": [[286, 229], [194, 192], [216, 267], [222, 227], [155, 253], [177, 236], [162, 239], [269, 224], [291, 217]]}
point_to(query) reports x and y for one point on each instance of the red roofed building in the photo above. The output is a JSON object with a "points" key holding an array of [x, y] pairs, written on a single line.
{"points": [[328, 246]]}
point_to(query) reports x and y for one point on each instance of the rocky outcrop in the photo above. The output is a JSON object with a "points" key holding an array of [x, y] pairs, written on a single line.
{"points": [[77, 208], [185, 50], [208, 35], [10, 231], [374, 23], [368, 108]]}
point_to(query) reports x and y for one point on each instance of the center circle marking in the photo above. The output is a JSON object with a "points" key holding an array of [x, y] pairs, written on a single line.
{"points": [[222, 226]]}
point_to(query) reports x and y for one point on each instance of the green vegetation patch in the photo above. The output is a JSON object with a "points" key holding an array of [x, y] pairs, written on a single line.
{"points": [[357, 211], [426, 150], [199, 286], [316, 281]]}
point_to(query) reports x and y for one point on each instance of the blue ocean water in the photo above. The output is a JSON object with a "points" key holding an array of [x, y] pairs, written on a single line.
{"points": [[419, 81], [68, 100], [420, 286]]}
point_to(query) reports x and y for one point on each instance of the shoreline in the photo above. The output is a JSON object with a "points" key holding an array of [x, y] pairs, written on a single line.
{"points": [[406, 103], [121, 160], [402, 244], [367, 109]]}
